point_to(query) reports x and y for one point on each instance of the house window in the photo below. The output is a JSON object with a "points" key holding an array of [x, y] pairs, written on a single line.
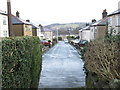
{"points": [[27, 28], [5, 33], [4, 21]]}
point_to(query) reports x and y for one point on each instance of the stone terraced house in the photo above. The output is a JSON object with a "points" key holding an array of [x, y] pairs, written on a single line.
{"points": [[20, 26]]}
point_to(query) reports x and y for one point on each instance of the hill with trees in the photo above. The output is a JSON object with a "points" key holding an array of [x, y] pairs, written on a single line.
{"points": [[66, 28]]}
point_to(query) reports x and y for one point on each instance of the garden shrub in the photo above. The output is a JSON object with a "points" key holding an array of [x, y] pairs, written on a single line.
{"points": [[60, 38], [103, 56], [21, 62]]}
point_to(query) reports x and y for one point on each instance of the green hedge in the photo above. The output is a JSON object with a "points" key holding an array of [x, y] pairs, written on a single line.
{"points": [[60, 38], [21, 62]]}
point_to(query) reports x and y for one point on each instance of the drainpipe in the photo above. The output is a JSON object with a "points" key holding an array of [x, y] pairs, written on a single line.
{"points": [[9, 18]]}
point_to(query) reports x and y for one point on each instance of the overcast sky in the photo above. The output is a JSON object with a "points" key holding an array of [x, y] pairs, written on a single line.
{"points": [[60, 11]]}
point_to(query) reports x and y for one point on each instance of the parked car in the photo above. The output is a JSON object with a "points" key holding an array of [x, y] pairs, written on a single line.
{"points": [[83, 43], [44, 42], [75, 42], [65, 40]]}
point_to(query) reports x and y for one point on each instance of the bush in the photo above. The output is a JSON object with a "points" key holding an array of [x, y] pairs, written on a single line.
{"points": [[102, 57], [21, 62], [115, 84], [82, 51], [70, 37], [60, 38]]}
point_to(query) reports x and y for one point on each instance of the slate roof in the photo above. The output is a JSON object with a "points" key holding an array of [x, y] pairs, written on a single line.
{"points": [[3, 12], [101, 22], [16, 20], [34, 26], [115, 12], [86, 28]]}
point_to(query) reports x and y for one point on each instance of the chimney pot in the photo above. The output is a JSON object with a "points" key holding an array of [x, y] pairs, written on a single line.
{"points": [[17, 14], [104, 14], [40, 25], [27, 20], [93, 20]]}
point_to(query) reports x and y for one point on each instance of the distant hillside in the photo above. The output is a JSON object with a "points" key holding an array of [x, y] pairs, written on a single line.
{"points": [[63, 28], [66, 25]]}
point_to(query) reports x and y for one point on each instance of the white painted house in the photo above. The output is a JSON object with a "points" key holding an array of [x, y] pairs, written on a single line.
{"points": [[92, 31], [39, 33], [48, 34], [84, 34], [114, 21], [3, 24], [99, 29]]}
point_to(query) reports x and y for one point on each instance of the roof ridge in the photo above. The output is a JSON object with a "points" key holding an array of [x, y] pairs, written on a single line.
{"points": [[3, 12], [115, 12], [21, 20]]}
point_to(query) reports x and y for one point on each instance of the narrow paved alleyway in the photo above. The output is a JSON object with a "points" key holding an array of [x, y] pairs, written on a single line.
{"points": [[62, 68]]}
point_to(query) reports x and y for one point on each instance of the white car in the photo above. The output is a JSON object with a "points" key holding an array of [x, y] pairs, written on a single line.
{"points": [[66, 41]]}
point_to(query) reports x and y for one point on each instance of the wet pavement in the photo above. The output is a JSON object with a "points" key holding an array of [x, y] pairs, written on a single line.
{"points": [[62, 68]]}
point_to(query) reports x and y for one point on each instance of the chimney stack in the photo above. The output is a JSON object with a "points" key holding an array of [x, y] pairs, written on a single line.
{"points": [[9, 17], [41, 28], [119, 5], [27, 20], [93, 20], [104, 14], [17, 14]]}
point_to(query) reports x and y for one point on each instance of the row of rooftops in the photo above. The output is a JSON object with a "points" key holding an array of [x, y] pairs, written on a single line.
{"points": [[16, 20], [103, 21]]}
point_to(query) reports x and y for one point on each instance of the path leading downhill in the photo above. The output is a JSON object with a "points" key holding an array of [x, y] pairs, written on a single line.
{"points": [[62, 68]]}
